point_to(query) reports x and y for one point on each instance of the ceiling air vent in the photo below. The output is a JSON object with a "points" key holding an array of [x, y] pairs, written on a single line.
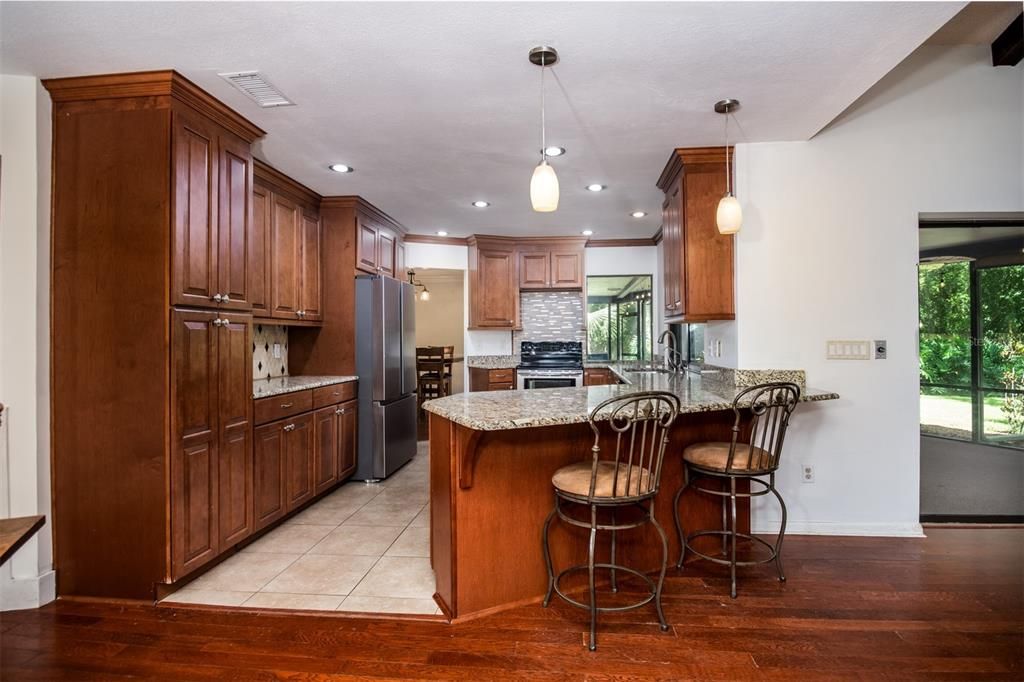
{"points": [[258, 88]]}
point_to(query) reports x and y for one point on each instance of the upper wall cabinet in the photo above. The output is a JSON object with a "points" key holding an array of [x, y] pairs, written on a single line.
{"points": [[211, 213], [493, 283], [551, 264], [285, 254], [698, 261], [379, 246]]}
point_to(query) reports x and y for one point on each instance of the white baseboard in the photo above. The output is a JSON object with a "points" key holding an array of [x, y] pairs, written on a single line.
{"points": [[27, 593], [872, 529]]}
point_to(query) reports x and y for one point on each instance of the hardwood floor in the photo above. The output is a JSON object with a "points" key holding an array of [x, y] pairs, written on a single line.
{"points": [[950, 606]]}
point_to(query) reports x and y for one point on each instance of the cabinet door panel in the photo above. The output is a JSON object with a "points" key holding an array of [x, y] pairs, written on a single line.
{"points": [[311, 291], [234, 221], [298, 446], [366, 245], [566, 269], [286, 258], [194, 251], [194, 459], [534, 270], [259, 251], [496, 289], [268, 474], [348, 439], [325, 426], [234, 366], [400, 269], [386, 242]]}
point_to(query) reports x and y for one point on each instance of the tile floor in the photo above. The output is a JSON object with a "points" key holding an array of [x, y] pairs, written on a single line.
{"points": [[361, 548]]}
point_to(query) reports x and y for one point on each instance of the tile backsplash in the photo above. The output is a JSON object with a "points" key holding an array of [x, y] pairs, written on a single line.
{"points": [[551, 316], [264, 364]]}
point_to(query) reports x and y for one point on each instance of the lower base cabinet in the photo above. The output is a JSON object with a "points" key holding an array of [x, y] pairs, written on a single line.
{"points": [[303, 455], [335, 444]]}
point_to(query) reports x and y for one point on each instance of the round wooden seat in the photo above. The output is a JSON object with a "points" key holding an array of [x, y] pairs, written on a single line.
{"points": [[575, 479]]}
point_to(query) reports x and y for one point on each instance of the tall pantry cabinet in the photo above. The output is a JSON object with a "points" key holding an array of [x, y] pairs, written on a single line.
{"points": [[151, 359]]}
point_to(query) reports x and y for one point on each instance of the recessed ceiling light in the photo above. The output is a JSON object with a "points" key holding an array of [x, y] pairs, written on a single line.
{"points": [[587, 233], [442, 233], [595, 187], [638, 214], [341, 168], [554, 151], [481, 204]]}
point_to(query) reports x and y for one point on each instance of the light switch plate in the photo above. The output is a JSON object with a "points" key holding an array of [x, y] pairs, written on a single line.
{"points": [[277, 351], [848, 350], [880, 350]]}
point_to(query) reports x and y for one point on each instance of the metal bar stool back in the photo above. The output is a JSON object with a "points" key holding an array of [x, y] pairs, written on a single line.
{"points": [[631, 434], [769, 407]]}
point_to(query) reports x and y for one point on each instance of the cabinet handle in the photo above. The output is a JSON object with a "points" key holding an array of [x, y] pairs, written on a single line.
{"points": [[301, 313], [289, 427], [217, 297], [339, 411], [285, 406]]}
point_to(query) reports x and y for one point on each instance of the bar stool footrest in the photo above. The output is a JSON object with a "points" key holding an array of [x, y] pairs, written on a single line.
{"points": [[607, 609], [725, 533]]}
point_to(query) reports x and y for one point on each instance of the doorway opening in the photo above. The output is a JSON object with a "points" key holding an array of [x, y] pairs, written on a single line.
{"points": [[971, 351]]}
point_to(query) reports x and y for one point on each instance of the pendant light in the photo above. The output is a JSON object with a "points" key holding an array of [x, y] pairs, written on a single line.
{"points": [[544, 183], [729, 216]]}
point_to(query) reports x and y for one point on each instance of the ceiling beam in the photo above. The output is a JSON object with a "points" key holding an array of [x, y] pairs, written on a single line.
{"points": [[1008, 48]]}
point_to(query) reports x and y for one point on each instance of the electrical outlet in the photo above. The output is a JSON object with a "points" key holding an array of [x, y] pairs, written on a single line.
{"points": [[277, 351], [808, 473]]}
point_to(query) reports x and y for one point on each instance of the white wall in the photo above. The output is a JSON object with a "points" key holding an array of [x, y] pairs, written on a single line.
{"points": [[27, 580], [828, 250]]}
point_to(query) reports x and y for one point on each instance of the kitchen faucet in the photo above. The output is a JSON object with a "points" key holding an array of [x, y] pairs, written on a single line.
{"points": [[675, 362]]}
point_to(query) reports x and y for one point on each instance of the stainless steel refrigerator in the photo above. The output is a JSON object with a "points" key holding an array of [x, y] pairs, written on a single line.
{"points": [[386, 365]]}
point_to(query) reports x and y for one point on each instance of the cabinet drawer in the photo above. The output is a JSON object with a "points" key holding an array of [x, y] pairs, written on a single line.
{"points": [[335, 393], [281, 406], [507, 386], [501, 376]]}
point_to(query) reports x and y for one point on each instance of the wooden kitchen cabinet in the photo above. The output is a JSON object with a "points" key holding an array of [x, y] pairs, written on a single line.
{"points": [[268, 474], [598, 376], [379, 246], [298, 461], [260, 246], [336, 442], [211, 213], [211, 465], [293, 258], [482, 379], [698, 261], [551, 264], [494, 283]]}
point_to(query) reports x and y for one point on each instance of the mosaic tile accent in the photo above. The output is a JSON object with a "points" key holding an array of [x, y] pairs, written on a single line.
{"points": [[551, 316], [264, 364]]}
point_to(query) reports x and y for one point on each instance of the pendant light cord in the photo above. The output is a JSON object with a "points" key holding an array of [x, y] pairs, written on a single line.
{"points": [[728, 173], [543, 126]]}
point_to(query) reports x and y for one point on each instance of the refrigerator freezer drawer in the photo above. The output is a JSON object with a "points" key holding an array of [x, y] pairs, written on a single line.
{"points": [[395, 429]]}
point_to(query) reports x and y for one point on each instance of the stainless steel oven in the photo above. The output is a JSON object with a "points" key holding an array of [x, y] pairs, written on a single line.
{"points": [[548, 378]]}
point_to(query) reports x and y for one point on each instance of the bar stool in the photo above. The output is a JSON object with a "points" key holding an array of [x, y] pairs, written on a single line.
{"points": [[639, 425], [771, 405]]}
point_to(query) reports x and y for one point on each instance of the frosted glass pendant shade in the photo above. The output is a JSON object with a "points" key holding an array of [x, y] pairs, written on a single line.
{"points": [[729, 216], [544, 188]]}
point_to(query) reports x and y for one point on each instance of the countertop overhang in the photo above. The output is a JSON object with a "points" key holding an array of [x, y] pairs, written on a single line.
{"points": [[265, 388], [505, 410]]}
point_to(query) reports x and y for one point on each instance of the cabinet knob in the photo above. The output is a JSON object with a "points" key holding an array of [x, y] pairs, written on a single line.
{"points": [[218, 298], [339, 411], [301, 313], [289, 427]]}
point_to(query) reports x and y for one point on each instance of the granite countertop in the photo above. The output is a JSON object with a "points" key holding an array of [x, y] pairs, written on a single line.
{"points": [[264, 388], [492, 361], [501, 410]]}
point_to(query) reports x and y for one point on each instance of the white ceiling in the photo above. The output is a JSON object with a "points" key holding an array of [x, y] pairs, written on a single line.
{"points": [[436, 105]]}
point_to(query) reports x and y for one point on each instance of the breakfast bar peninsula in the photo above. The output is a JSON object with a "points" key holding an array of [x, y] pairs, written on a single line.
{"points": [[492, 456]]}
